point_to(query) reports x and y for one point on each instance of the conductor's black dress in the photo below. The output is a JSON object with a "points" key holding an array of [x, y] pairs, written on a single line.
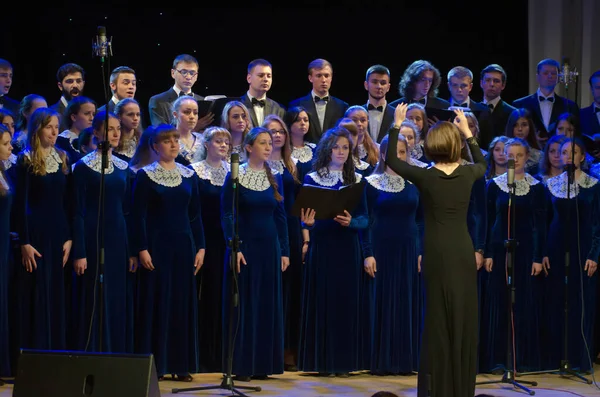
{"points": [[448, 359]]}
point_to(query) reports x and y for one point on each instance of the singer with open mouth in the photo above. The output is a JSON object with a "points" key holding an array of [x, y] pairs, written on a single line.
{"points": [[448, 355]]}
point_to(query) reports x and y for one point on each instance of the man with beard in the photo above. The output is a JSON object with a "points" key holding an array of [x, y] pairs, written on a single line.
{"points": [[6, 77], [381, 115], [260, 78], [70, 79]]}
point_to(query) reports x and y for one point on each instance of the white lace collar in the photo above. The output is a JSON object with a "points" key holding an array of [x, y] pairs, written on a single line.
{"points": [[129, 146], [521, 185], [3, 182], [362, 152], [305, 153], [70, 135], [168, 178], [417, 163], [253, 179], [279, 165], [94, 161], [331, 178], [216, 175], [12, 160], [387, 182], [189, 152], [558, 185], [53, 161], [238, 149], [417, 151], [359, 164]]}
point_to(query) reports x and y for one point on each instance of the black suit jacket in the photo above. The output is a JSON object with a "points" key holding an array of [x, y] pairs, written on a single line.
{"points": [[561, 105], [60, 108], [499, 118], [271, 107], [484, 119], [111, 106], [589, 121], [433, 102], [161, 107], [10, 105], [386, 121], [334, 111]]}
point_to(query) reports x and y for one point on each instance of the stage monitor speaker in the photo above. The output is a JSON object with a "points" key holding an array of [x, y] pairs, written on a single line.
{"points": [[52, 373]]}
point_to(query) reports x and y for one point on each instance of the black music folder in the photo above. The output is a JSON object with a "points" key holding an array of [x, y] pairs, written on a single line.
{"points": [[214, 106], [328, 202]]}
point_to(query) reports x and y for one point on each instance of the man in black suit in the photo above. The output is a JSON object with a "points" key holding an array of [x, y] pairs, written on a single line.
{"points": [[184, 72], [381, 115], [590, 116], [323, 110], [70, 79], [6, 77], [123, 84], [493, 82], [260, 78], [460, 84], [419, 83], [545, 106]]}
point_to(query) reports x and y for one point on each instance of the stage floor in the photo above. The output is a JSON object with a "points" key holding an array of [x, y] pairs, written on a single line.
{"points": [[364, 385]]}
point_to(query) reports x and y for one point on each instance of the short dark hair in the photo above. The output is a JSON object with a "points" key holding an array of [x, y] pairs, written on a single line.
{"points": [[4, 64], [258, 62], [119, 70], [377, 69], [594, 75], [494, 67], [184, 58], [547, 61], [443, 143], [319, 63], [67, 69]]}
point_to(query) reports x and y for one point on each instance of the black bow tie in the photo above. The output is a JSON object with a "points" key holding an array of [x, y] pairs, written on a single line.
{"points": [[542, 99], [378, 108], [181, 93], [324, 99], [422, 101], [258, 102], [462, 105]]}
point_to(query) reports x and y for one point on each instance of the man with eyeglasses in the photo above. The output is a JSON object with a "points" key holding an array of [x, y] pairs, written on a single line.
{"points": [[6, 77], [185, 73], [70, 79]]}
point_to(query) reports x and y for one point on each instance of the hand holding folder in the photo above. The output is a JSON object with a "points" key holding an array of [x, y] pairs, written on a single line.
{"points": [[328, 202]]}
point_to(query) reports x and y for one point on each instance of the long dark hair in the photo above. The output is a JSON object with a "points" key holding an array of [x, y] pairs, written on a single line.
{"points": [[286, 150], [249, 139], [545, 165], [323, 155], [512, 120]]}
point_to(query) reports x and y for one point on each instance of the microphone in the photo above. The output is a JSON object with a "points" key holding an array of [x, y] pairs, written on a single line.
{"points": [[565, 75], [102, 41], [510, 172], [235, 166]]}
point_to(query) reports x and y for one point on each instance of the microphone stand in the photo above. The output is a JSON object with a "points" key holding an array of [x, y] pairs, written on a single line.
{"points": [[511, 246], [234, 247]]}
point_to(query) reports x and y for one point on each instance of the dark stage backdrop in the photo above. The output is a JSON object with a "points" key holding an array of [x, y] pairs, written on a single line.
{"points": [[224, 40]]}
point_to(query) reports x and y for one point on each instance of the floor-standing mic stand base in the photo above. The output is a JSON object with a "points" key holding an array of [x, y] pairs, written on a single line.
{"points": [[509, 378], [565, 371], [226, 384]]}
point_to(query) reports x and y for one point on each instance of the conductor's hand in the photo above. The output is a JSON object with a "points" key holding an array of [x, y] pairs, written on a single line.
{"points": [[478, 259], [28, 254], [307, 217], [400, 114], [204, 122], [461, 122], [343, 220], [488, 263], [304, 252], [546, 264], [66, 251], [590, 267], [133, 264], [285, 262], [146, 260], [419, 263], [199, 260], [536, 268], [370, 266], [240, 259], [80, 266]]}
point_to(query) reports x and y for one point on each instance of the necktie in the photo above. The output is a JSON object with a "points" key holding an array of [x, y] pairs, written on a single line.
{"points": [[181, 93], [324, 99], [462, 105], [378, 108], [542, 99], [491, 106], [258, 102]]}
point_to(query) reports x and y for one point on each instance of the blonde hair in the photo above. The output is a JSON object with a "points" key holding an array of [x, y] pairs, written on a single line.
{"points": [[369, 145], [225, 117], [213, 132], [37, 160], [443, 143]]}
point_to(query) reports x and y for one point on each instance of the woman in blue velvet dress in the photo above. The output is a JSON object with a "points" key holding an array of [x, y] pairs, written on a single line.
{"points": [[330, 322], [574, 224], [298, 123], [392, 250], [44, 228], [262, 257], [117, 321], [168, 233], [530, 233], [282, 161], [6, 198], [212, 171]]}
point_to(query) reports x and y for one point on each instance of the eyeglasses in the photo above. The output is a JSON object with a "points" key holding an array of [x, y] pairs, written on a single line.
{"points": [[185, 72], [273, 132]]}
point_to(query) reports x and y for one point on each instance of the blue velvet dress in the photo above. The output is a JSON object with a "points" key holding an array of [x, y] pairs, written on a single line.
{"points": [[333, 273], [210, 278], [305, 156], [393, 238], [167, 222], [575, 219], [66, 141], [44, 221], [262, 229], [6, 272], [117, 320], [530, 234]]}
